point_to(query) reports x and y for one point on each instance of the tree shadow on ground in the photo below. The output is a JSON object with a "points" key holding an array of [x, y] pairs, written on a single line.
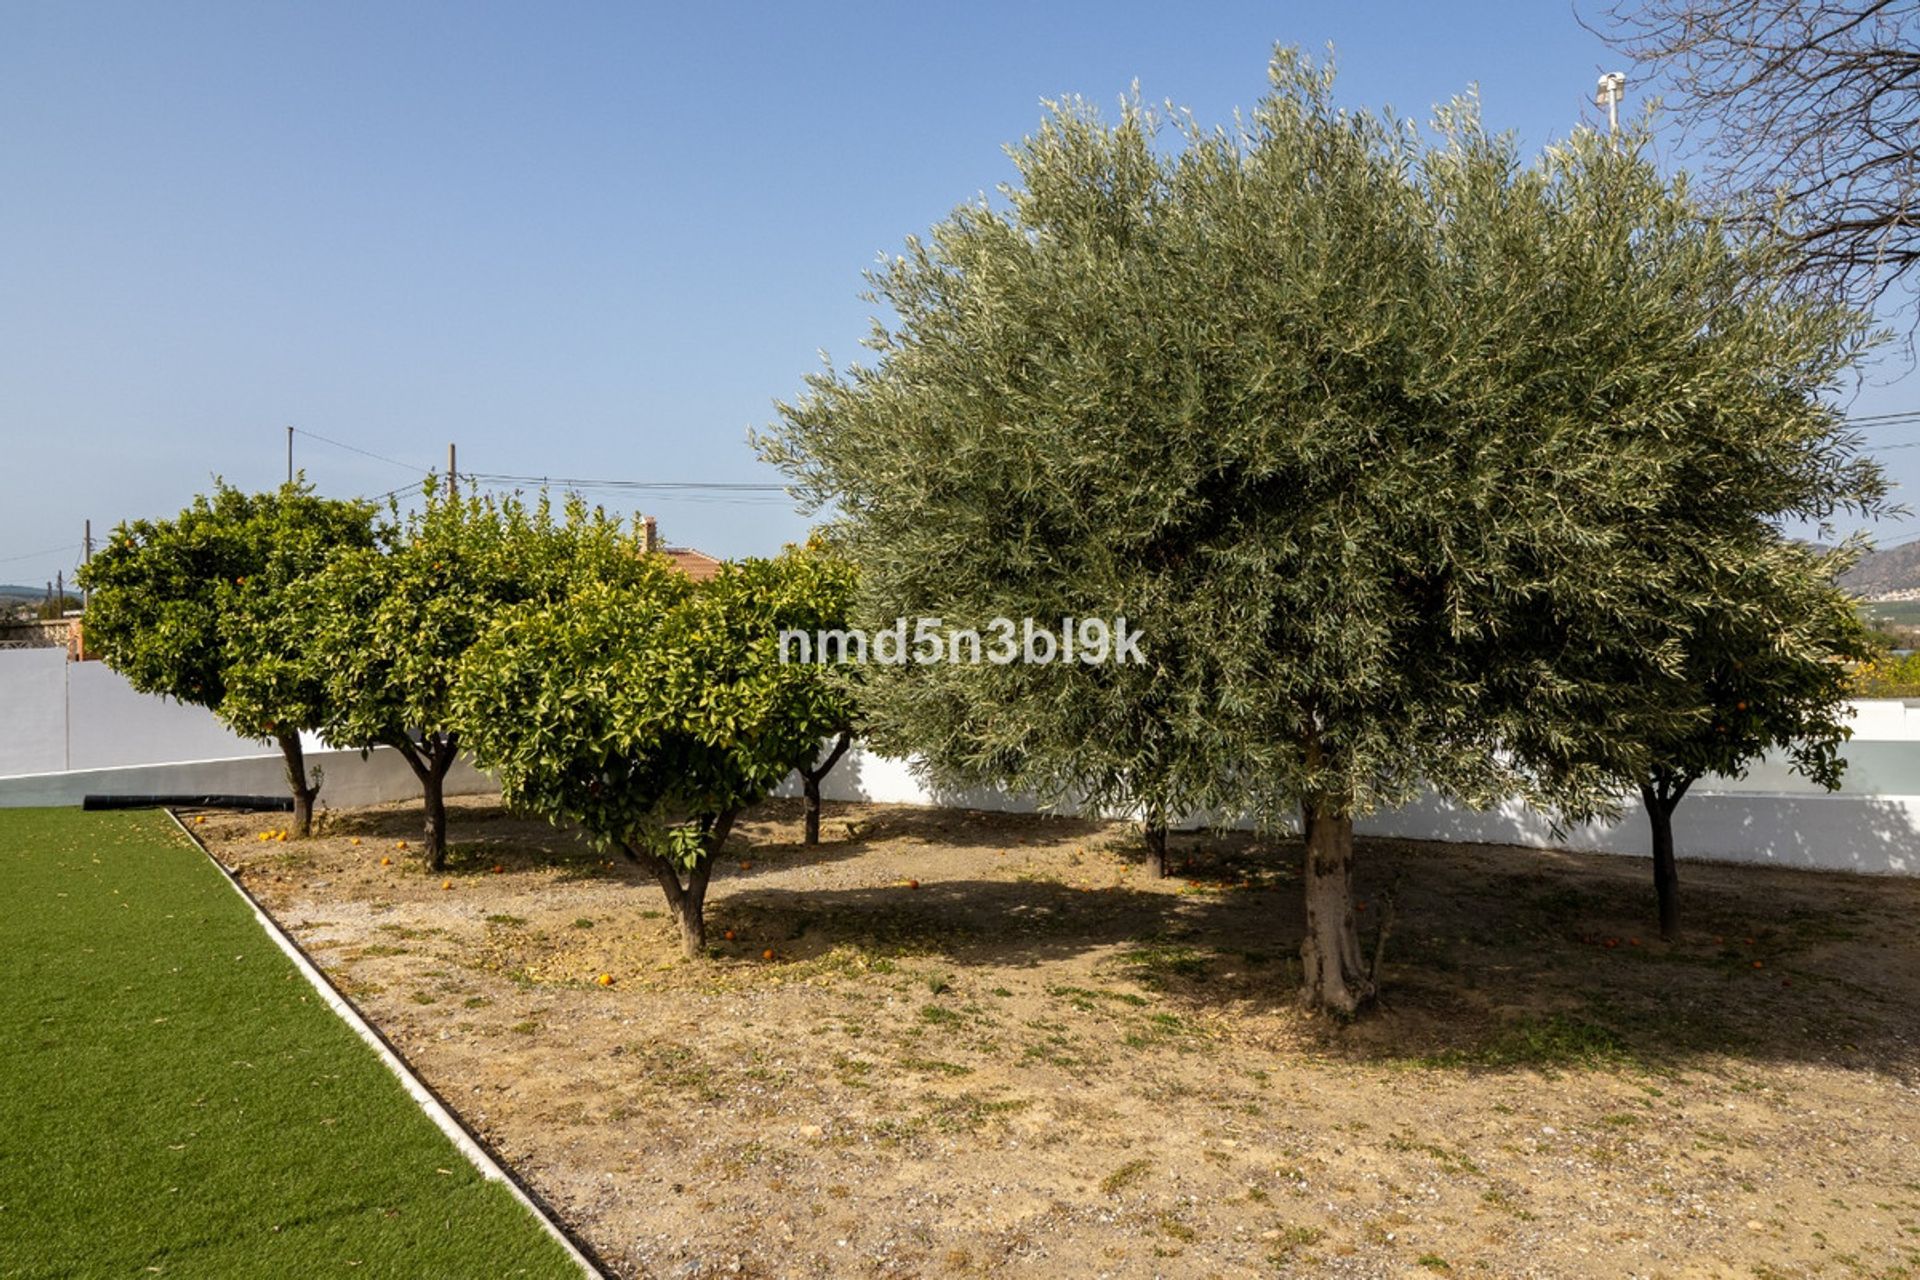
{"points": [[1499, 957]]}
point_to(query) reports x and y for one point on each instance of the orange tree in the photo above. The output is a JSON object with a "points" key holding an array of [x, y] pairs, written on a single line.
{"points": [[649, 712], [197, 608], [1765, 666], [390, 623]]}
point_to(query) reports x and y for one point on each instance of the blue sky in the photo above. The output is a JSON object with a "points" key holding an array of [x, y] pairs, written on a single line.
{"points": [[585, 240]]}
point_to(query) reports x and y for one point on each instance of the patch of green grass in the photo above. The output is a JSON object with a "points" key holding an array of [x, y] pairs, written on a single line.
{"points": [[1292, 1239], [1085, 997], [1125, 1176], [1174, 1229], [180, 1101], [1153, 964], [506, 921], [935, 1065], [1543, 1043]]}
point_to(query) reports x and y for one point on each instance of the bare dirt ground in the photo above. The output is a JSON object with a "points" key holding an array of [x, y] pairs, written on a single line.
{"points": [[987, 1044]]}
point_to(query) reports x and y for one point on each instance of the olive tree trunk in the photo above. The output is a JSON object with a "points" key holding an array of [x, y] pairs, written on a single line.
{"points": [[303, 790], [1335, 977], [1157, 843]]}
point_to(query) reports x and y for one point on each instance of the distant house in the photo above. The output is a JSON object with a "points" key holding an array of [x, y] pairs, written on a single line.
{"points": [[697, 565], [42, 633]]}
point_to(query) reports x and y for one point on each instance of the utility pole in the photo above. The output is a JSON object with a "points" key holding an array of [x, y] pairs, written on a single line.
{"points": [[86, 558], [453, 471], [60, 594], [289, 455]]}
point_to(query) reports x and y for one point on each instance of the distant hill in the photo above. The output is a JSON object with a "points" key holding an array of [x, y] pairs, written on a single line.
{"points": [[1880, 572], [11, 591]]}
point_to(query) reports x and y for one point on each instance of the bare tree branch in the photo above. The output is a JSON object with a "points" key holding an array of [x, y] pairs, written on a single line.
{"points": [[1814, 104]]}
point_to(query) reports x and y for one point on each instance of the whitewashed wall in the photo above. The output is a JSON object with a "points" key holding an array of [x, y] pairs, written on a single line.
{"points": [[1771, 816], [73, 729], [33, 710], [349, 780], [57, 715]]}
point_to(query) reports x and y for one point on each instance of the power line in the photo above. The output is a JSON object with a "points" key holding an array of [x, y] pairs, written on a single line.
{"points": [[35, 555], [576, 482], [403, 491], [352, 448]]}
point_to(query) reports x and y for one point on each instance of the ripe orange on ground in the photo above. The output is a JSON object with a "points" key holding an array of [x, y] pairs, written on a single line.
{"points": [[605, 979], [729, 935], [446, 884], [767, 954], [386, 862], [913, 884]]}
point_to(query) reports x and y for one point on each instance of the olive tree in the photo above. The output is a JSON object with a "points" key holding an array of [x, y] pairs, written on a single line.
{"points": [[1357, 430], [651, 712], [197, 609]]}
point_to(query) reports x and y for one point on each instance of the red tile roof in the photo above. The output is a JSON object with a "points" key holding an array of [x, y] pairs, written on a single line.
{"points": [[697, 565]]}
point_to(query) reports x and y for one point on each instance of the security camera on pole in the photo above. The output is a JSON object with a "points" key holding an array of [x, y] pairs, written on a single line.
{"points": [[1612, 88]]}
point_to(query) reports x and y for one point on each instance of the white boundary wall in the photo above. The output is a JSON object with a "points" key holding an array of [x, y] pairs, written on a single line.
{"points": [[1770, 817], [73, 729], [347, 780], [68, 730], [57, 715]]}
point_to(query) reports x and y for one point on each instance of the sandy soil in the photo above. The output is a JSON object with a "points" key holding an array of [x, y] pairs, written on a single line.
{"points": [[995, 1044]]}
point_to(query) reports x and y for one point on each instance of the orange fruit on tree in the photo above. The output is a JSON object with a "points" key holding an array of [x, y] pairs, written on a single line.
{"points": [[729, 935]]}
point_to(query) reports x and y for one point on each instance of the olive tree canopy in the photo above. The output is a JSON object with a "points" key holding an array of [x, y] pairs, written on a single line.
{"points": [[1361, 431]]}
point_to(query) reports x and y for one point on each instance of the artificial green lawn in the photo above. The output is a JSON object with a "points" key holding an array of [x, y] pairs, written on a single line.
{"points": [[176, 1100]]}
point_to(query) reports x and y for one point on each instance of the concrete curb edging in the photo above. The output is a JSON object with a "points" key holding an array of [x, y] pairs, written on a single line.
{"points": [[470, 1144]]}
